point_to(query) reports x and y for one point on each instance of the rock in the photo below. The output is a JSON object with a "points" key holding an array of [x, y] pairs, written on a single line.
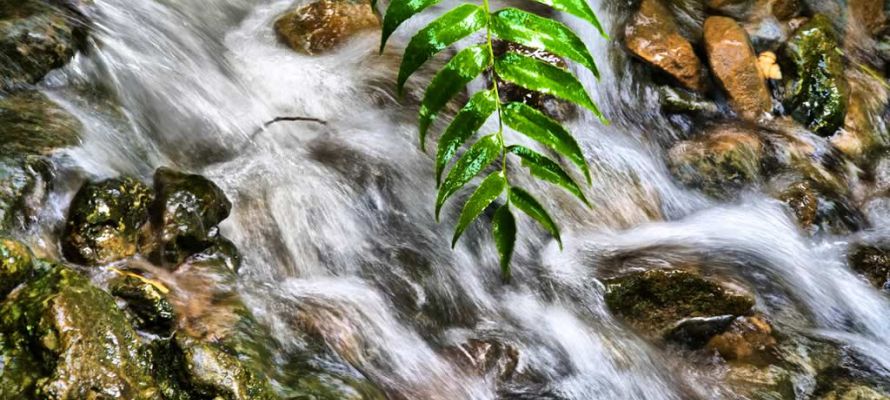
{"points": [[146, 300], [35, 38], [653, 36], [804, 202], [185, 214], [82, 343], [817, 95], [216, 373], [748, 339], [104, 221], [30, 123], [510, 92], [723, 160], [15, 264], [678, 100], [865, 128], [24, 185], [738, 9], [484, 356], [855, 392], [656, 300], [734, 64], [873, 262], [324, 24], [696, 331]]}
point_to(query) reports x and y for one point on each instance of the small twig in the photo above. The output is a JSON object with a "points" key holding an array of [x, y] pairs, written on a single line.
{"points": [[285, 119]]}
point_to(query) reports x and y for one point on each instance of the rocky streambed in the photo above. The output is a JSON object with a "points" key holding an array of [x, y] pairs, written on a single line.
{"points": [[737, 250]]}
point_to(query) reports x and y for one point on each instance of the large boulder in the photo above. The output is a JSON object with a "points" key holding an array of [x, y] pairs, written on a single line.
{"points": [[817, 95], [185, 214], [723, 160], [734, 64], [324, 24], [105, 221], [35, 38], [656, 301], [653, 36], [15, 264], [65, 339]]}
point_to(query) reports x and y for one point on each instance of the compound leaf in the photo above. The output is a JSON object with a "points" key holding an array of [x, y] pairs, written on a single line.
{"points": [[479, 156], [398, 12], [465, 124], [544, 168], [531, 207], [503, 228], [545, 130], [578, 8]]}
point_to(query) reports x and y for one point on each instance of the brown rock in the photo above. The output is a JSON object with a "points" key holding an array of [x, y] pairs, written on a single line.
{"points": [[734, 63], [486, 356], [652, 35], [802, 198], [867, 14], [747, 339], [324, 24], [724, 159]]}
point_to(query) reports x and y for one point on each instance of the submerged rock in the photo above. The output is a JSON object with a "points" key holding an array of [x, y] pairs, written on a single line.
{"points": [[484, 356], [324, 24], [653, 36], [818, 93], [15, 264], [104, 221], [185, 214], [146, 301], [30, 123], [724, 159], [748, 339], [24, 185], [855, 392], [803, 200], [65, 339], [734, 63], [654, 301], [873, 262], [216, 373], [35, 38]]}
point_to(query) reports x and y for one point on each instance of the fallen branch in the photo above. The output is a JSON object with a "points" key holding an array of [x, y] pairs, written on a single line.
{"points": [[286, 119]]}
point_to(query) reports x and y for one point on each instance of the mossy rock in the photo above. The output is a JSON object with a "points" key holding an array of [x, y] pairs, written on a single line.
{"points": [[653, 301], [146, 301], [35, 38], [818, 94], [65, 339], [31, 123], [104, 221], [24, 184], [185, 214], [15, 264]]}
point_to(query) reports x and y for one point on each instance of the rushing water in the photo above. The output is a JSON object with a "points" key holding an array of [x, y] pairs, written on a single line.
{"points": [[335, 220]]}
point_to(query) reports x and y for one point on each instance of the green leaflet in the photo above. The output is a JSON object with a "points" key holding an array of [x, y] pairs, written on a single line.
{"points": [[453, 77], [398, 12], [439, 34], [465, 124], [578, 8], [540, 76], [545, 130], [525, 202], [542, 33], [503, 228], [479, 156], [544, 168], [487, 192]]}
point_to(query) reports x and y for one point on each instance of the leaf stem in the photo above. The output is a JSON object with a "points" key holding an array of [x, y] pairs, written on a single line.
{"points": [[498, 105]]}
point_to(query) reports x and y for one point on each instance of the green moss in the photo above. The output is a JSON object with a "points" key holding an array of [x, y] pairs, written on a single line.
{"points": [[105, 219], [818, 95], [655, 300], [186, 213], [82, 343], [15, 264], [873, 262], [215, 373]]}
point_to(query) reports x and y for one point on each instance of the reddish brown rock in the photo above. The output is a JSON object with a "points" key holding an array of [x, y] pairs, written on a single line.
{"points": [[747, 339], [652, 35], [734, 63], [867, 14], [324, 24]]}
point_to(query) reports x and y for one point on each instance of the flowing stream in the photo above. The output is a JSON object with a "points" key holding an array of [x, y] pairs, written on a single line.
{"points": [[335, 220]]}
